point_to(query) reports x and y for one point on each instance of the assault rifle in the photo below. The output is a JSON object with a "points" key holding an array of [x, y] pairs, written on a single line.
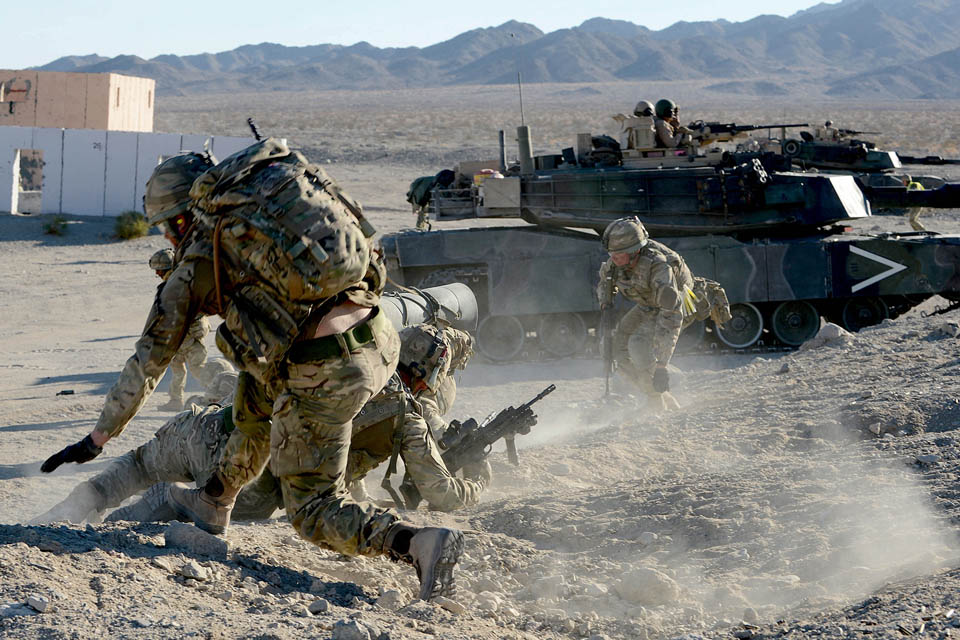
{"points": [[608, 323], [726, 131], [470, 441]]}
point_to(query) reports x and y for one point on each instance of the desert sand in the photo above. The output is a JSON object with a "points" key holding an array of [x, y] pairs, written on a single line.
{"points": [[810, 493]]}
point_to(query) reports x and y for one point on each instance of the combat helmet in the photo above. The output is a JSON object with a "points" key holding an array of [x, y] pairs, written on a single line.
{"points": [[626, 235], [423, 354], [168, 189], [643, 108], [665, 108], [162, 260]]}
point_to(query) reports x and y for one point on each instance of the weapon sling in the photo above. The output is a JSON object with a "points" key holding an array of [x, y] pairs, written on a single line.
{"points": [[397, 443]]}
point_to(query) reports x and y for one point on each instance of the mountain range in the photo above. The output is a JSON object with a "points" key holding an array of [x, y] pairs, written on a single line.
{"points": [[855, 48]]}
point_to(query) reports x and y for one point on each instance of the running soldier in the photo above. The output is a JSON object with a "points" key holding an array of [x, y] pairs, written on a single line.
{"points": [[668, 299]]}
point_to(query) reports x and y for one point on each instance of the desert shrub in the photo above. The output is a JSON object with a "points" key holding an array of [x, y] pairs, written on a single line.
{"points": [[56, 226], [131, 224]]}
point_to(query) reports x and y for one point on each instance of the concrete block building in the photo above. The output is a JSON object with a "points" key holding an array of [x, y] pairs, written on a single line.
{"points": [[104, 101], [83, 143]]}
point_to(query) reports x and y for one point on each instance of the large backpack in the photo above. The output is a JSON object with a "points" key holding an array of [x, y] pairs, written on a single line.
{"points": [[279, 217], [285, 239]]}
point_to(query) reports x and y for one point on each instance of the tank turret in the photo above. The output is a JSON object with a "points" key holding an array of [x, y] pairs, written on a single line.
{"points": [[773, 237]]}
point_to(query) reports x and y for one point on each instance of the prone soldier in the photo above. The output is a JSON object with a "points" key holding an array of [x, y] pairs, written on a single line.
{"points": [[301, 322], [189, 446]]}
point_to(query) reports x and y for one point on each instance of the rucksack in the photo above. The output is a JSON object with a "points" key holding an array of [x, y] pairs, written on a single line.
{"points": [[281, 219], [285, 240]]}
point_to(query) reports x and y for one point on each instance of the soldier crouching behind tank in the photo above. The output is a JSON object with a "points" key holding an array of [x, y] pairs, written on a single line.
{"points": [[668, 299], [302, 323], [188, 447]]}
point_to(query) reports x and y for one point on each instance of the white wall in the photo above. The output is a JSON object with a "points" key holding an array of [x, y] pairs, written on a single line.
{"points": [[96, 173]]}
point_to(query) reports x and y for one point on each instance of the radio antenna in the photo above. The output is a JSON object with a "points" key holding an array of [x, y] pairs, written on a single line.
{"points": [[516, 62], [520, 90]]}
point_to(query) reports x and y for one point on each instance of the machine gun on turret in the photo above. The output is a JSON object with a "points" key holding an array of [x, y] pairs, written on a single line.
{"points": [[710, 132], [855, 132]]}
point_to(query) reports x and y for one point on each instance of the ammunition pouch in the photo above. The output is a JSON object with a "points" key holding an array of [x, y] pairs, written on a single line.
{"points": [[256, 332]]}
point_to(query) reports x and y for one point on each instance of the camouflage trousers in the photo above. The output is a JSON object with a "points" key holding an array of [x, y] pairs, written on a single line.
{"points": [[192, 355], [633, 346], [184, 449], [913, 216], [421, 457], [423, 218], [302, 423]]}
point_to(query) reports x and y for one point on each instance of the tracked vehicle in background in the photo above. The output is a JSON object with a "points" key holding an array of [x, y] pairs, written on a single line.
{"points": [[774, 239], [880, 173]]}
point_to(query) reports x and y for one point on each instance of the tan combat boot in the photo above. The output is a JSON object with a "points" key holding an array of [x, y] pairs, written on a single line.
{"points": [[151, 507], [433, 552], [209, 512]]}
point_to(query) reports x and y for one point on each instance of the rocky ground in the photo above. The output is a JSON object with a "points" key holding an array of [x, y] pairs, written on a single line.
{"points": [[811, 493]]}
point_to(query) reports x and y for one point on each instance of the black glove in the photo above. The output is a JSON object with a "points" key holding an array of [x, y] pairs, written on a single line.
{"points": [[83, 451], [661, 380]]}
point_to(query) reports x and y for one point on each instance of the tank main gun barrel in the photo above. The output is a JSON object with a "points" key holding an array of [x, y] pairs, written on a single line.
{"points": [[927, 160]]}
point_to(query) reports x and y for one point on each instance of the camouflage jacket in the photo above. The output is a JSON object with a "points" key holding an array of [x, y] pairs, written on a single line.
{"points": [[188, 294], [667, 135], [656, 279]]}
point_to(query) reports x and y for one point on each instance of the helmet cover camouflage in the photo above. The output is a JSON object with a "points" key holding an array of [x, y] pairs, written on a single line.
{"points": [[162, 260], [625, 235], [643, 108], [424, 354], [168, 189], [665, 108]]}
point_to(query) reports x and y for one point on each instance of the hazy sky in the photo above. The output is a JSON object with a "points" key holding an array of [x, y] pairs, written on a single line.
{"points": [[32, 37]]}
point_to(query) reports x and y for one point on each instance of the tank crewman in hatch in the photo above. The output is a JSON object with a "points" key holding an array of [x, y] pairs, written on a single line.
{"points": [[307, 368], [637, 131], [188, 448], [192, 353], [670, 133], [668, 298]]}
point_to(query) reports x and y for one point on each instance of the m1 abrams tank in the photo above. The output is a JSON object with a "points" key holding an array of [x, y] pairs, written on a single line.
{"points": [[772, 239], [879, 173]]}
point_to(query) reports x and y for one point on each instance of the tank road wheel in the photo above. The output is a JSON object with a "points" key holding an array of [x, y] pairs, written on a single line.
{"points": [[744, 328], [863, 312], [500, 337], [795, 322], [562, 334]]}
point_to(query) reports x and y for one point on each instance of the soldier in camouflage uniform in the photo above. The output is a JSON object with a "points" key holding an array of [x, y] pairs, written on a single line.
{"points": [[306, 369], [192, 353], [189, 446], [657, 279], [436, 404]]}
